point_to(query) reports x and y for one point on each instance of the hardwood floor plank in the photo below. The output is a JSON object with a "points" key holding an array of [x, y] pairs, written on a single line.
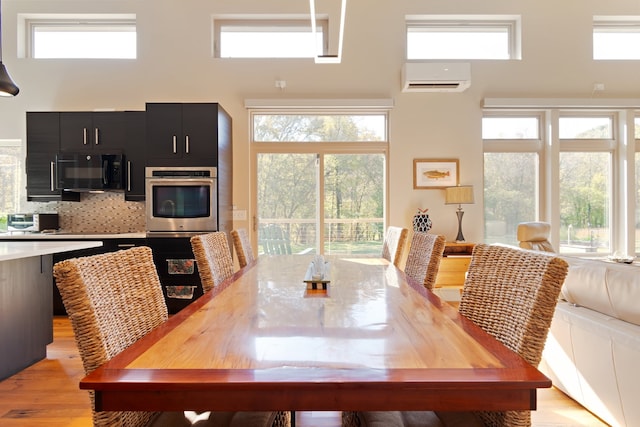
{"points": [[47, 395]]}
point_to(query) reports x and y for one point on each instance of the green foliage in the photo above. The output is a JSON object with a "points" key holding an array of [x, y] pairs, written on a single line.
{"points": [[584, 189], [510, 188], [288, 186]]}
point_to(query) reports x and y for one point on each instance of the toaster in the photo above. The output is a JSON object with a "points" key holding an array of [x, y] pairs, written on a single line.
{"points": [[34, 222]]}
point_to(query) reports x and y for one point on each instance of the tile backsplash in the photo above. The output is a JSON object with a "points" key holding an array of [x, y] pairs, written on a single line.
{"points": [[96, 213]]}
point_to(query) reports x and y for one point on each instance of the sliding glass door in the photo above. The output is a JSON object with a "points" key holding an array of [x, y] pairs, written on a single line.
{"points": [[320, 203]]}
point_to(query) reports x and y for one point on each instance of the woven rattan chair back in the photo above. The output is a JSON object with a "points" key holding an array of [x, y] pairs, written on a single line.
{"points": [[423, 260], [213, 258], [393, 246], [112, 300], [512, 294], [242, 245], [115, 299]]}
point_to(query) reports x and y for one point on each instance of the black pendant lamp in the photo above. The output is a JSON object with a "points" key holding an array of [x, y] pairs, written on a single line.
{"points": [[7, 86]]}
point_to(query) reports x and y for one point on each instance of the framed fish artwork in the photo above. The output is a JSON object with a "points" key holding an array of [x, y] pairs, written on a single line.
{"points": [[435, 173]]}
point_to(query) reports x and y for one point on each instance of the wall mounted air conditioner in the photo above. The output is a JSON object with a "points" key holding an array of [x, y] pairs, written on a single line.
{"points": [[436, 76]]}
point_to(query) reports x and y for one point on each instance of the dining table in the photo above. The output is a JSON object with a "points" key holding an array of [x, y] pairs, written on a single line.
{"points": [[374, 339]]}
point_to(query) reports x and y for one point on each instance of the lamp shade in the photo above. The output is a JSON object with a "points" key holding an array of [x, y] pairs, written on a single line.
{"points": [[462, 194], [7, 86]]}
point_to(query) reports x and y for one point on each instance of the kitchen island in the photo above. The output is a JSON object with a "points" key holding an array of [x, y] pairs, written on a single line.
{"points": [[26, 314], [180, 288]]}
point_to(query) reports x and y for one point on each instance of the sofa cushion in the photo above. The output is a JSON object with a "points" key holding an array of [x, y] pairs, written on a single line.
{"points": [[607, 287], [592, 357]]}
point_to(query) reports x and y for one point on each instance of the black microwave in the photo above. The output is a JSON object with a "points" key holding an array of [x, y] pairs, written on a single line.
{"points": [[90, 172]]}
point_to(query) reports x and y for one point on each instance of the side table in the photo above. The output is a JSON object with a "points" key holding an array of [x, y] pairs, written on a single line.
{"points": [[453, 268]]}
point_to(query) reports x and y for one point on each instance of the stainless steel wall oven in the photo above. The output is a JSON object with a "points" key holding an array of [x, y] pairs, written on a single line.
{"points": [[181, 199]]}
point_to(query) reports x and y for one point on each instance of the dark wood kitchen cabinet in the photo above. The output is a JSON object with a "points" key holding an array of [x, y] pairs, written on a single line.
{"points": [[43, 144], [103, 131], [194, 134], [135, 158], [177, 270], [184, 134]]}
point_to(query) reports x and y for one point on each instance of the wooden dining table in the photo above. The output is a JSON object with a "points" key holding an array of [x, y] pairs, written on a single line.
{"points": [[375, 340]]}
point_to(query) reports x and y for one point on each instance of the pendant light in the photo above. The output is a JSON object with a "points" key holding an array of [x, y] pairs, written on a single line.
{"points": [[7, 86]]}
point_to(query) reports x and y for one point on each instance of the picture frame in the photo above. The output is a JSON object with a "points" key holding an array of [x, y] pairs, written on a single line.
{"points": [[435, 173]]}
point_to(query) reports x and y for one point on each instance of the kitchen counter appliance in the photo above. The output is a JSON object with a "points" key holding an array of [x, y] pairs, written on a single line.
{"points": [[181, 199], [90, 172], [32, 222]]}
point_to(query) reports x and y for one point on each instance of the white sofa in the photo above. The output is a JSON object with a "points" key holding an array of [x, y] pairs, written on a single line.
{"points": [[593, 348]]}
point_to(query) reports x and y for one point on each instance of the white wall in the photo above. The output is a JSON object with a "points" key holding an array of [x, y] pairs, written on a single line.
{"points": [[175, 64]]}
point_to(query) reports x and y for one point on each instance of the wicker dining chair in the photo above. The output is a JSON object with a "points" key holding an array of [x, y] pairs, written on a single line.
{"points": [[242, 245], [393, 245], [113, 300], [213, 258], [423, 260], [511, 293]]}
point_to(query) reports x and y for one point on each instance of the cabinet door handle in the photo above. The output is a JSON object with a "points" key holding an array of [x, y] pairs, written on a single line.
{"points": [[175, 144], [84, 136], [129, 175], [186, 144], [52, 177], [97, 136], [126, 245]]}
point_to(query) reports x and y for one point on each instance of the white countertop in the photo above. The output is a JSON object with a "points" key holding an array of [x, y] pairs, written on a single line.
{"points": [[68, 236], [16, 250]]}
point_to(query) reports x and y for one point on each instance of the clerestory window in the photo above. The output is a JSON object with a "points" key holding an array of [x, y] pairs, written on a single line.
{"points": [[268, 38], [452, 37], [81, 36], [616, 38]]}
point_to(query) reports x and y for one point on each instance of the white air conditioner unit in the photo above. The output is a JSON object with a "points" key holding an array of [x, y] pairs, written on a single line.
{"points": [[436, 76]]}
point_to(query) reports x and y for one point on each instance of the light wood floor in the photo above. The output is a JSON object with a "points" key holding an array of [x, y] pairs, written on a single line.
{"points": [[47, 394]]}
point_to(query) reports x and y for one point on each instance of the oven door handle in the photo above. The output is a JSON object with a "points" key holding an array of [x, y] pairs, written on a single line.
{"points": [[178, 181]]}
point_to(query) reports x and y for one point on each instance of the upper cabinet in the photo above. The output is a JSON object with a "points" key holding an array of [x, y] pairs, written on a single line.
{"points": [[43, 144], [135, 155], [93, 131], [182, 134], [165, 134]]}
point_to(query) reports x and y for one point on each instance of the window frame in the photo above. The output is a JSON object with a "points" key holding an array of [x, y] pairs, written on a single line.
{"points": [[321, 148], [283, 22], [19, 191], [87, 22], [605, 143], [465, 24], [621, 148], [615, 24], [534, 146], [324, 113]]}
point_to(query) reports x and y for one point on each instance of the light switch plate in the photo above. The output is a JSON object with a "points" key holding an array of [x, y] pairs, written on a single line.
{"points": [[239, 215]]}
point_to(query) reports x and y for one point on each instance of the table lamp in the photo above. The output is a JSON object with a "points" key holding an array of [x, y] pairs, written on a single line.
{"points": [[462, 194]]}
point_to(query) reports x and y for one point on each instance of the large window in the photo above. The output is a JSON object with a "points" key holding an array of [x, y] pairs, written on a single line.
{"points": [[585, 202], [585, 182], [589, 127], [260, 38], [84, 36], [321, 181], [564, 175], [319, 127], [447, 37], [11, 172], [511, 168], [615, 38]]}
